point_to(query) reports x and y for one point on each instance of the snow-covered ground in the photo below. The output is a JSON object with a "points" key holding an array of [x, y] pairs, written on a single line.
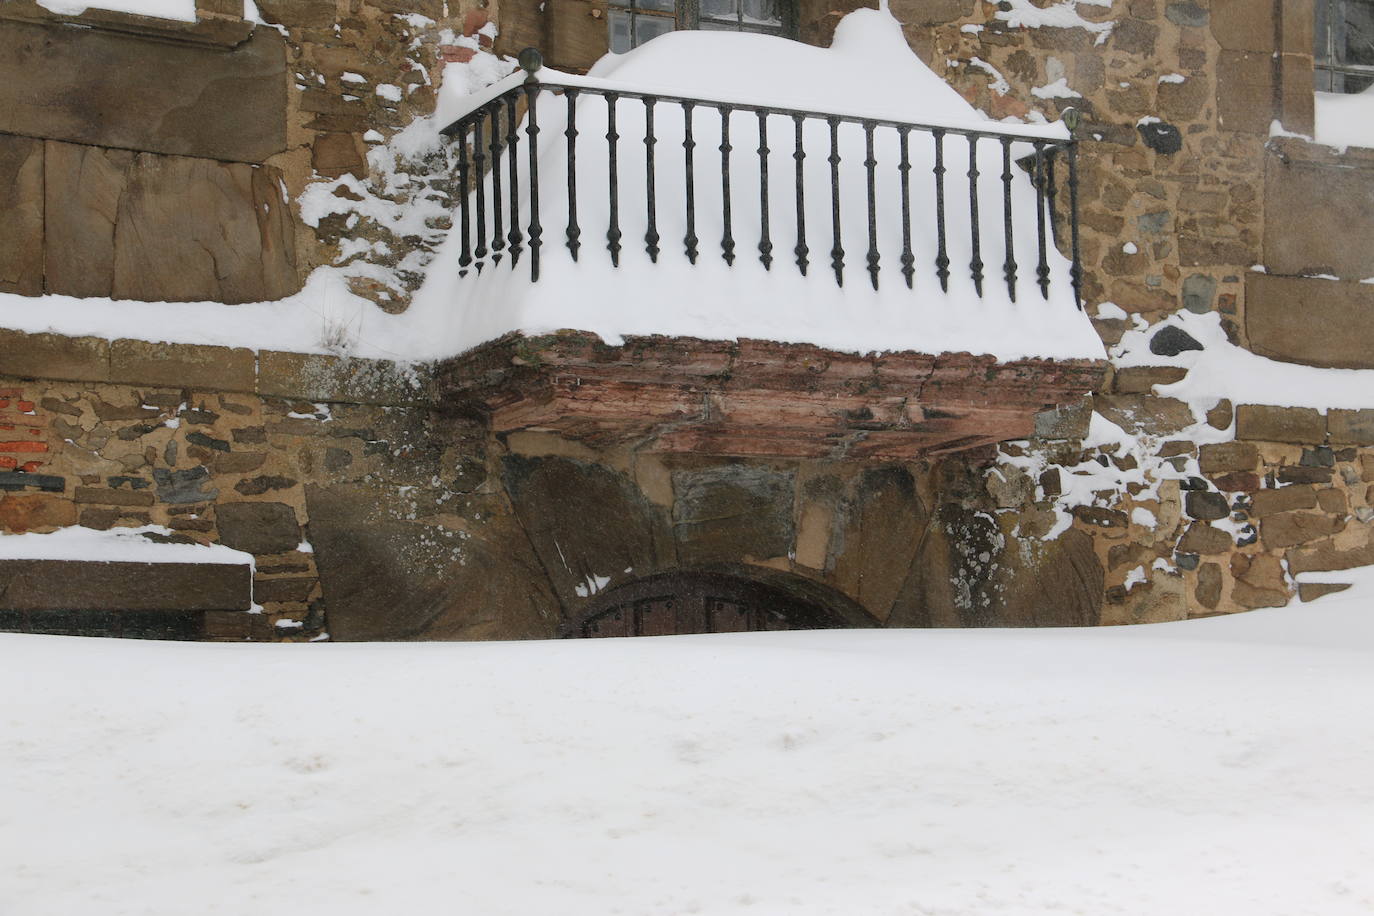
{"points": [[1219, 766]]}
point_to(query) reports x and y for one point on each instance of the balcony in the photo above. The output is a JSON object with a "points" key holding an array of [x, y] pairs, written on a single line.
{"points": [[728, 275]]}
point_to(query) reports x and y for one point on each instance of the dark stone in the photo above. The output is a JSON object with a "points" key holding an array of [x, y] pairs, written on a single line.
{"points": [[1171, 341], [257, 486], [198, 416], [468, 475], [1187, 561], [204, 441], [1186, 14], [182, 487], [130, 433], [1291, 474], [1199, 291], [258, 528], [253, 435], [294, 589], [1161, 137], [1101, 517], [1206, 506], [1156, 223], [19, 480], [336, 459], [135, 483], [1208, 591], [1320, 457], [879, 538]]}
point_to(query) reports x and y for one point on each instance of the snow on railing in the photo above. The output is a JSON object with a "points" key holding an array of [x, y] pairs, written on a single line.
{"points": [[1013, 174]]}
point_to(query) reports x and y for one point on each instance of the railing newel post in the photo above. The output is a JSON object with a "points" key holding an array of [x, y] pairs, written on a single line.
{"points": [[1009, 265], [837, 248], [689, 239], [976, 262], [799, 154], [765, 242], [870, 163], [479, 158], [498, 238], [941, 255], [1042, 269], [613, 180], [650, 203], [536, 232], [464, 204], [574, 231], [512, 140], [727, 240], [1076, 271], [904, 168]]}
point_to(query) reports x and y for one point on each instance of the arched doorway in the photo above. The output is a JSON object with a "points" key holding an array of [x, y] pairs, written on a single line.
{"points": [[710, 601]]}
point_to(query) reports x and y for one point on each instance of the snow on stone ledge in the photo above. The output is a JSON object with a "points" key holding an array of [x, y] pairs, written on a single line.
{"points": [[117, 545], [869, 71], [181, 10]]}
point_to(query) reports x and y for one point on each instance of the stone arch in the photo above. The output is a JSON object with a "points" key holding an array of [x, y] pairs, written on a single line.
{"points": [[727, 598]]}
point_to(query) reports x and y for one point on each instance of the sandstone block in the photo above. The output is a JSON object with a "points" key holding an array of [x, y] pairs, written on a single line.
{"points": [[1324, 556], [1284, 499], [85, 184], [1287, 529], [40, 585], [348, 380], [1221, 457], [34, 512], [21, 202], [1311, 591], [1316, 322], [1202, 538], [182, 365], [258, 528], [1315, 214], [1142, 379], [1351, 427], [1208, 589], [1245, 92], [52, 356], [1206, 506], [1300, 425], [186, 99], [1155, 416]]}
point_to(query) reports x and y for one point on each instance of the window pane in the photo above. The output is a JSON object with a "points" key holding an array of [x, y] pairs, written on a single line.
{"points": [[762, 12], [620, 31], [1355, 39], [647, 27], [719, 9], [662, 6]]}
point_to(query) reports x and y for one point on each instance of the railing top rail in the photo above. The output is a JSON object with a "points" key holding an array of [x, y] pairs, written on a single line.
{"points": [[554, 80]]}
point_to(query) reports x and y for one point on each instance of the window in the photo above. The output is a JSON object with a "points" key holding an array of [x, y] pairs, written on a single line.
{"points": [[633, 22], [1344, 53]]}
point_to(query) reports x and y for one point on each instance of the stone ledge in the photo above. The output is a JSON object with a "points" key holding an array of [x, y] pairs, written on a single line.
{"points": [[271, 373], [764, 398], [74, 585]]}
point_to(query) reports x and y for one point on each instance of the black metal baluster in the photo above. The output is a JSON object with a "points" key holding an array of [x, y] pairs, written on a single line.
{"points": [[574, 231], [976, 262], [837, 250], [870, 164], [941, 256], [765, 242], [1042, 269], [727, 240], [498, 237], [1077, 270], [613, 178], [512, 139], [464, 205], [688, 145], [904, 167], [479, 157], [651, 204], [1009, 267], [532, 132], [1052, 189], [799, 154]]}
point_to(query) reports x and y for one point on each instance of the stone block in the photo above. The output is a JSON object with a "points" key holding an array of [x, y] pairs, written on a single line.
{"points": [[1202, 538], [1245, 91], [52, 356], [1324, 556], [1142, 379], [72, 585], [731, 511], [182, 366], [1311, 321], [334, 154], [1067, 422], [1311, 591], [1205, 505], [1154, 416], [35, 512], [931, 12], [1208, 589], [195, 229], [21, 202], [1317, 216], [1243, 25], [299, 14], [1299, 425], [258, 528], [186, 99], [1288, 529], [85, 184], [1284, 499], [1222, 457], [1183, 101], [316, 377], [1351, 427]]}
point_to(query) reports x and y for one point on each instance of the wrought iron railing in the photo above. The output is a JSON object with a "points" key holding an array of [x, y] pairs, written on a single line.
{"points": [[496, 220]]}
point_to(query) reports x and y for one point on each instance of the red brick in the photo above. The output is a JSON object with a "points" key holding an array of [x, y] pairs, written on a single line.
{"points": [[474, 21], [452, 54], [28, 467], [7, 463], [26, 406], [23, 446]]}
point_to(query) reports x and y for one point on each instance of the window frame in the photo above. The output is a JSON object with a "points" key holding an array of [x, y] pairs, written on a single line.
{"points": [[686, 17], [1327, 70]]}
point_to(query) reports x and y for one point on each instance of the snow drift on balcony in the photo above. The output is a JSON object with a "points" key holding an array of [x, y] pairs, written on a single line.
{"points": [[182, 10], [868, 72]]}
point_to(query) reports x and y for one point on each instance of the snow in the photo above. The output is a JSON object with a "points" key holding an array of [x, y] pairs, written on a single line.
{"points": [[1217, 765], [1061, 15], [1223, 370], [183, 10], [1059, 89], [1345, 120], [122, 545]]}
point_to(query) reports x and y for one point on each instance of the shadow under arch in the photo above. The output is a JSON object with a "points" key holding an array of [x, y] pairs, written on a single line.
{"points": [[723, 598]]}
